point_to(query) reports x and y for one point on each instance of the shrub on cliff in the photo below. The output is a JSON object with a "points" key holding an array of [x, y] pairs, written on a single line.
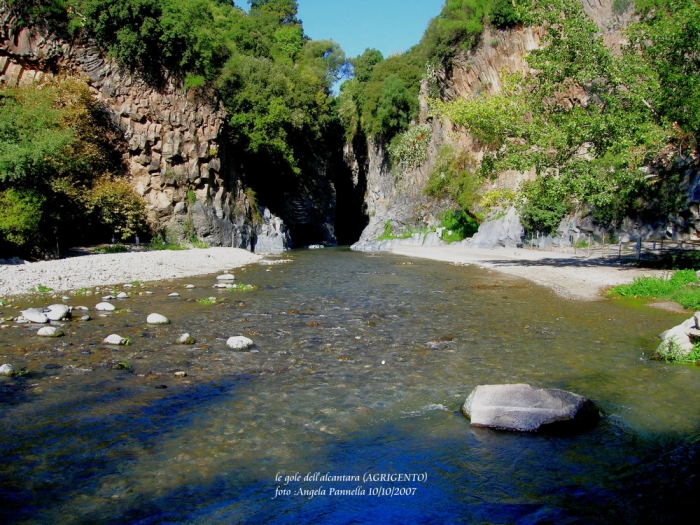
{"points": [[55, 141]]}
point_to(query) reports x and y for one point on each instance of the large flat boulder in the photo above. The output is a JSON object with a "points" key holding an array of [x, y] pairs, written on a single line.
{"points": [[524, 408]]}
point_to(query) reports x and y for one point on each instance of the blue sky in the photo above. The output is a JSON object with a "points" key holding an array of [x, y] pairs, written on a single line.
{"points": [[392, 26]]}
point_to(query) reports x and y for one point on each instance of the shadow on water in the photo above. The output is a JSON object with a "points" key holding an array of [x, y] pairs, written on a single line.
{"points": [[76, 444], [607, 475]]}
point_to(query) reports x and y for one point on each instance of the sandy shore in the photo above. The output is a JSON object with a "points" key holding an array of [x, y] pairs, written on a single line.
{"points": [[104, 269], [571, 276]]}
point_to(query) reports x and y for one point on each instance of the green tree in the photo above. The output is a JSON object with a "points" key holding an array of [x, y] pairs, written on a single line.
{"points": [[363, 65]]}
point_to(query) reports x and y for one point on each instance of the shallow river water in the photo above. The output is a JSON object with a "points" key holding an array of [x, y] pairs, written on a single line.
{"points": [[360, 366]]}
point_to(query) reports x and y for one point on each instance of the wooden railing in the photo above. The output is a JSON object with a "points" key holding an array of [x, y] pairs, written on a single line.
{"points": [[650, 250]]}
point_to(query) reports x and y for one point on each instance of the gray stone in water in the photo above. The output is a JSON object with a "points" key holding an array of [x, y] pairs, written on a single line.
{"points": [[56, 312], [122, 295], [108, 298], [190, 286], [185, 339], [174, 294], [680, 335], [85, 318], [7, 370], [49, 331], [35, 315], [105, 307], [524, 408], [226, 277], [157, 319], [239, 343], [114, 339]]}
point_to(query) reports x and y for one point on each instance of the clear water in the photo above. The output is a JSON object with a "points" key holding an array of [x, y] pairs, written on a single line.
{"points": [[361, 365]]}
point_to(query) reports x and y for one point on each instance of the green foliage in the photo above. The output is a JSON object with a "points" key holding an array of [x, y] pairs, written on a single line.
{"points": [[113, 248], [545, 202], [682, 287], [454, 177], [666, 38], [491, 119], [56, 145], [207, 302], [33, 137], [585, 152], [458, 226], [118, 207], [124, 365], [459, 25], [21, 215], [242, 287], [363, 65], [409, 149], [388, 232], [505, 14], [41, 289]]}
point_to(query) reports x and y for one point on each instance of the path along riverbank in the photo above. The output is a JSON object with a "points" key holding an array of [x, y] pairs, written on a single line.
{"points": [[569, 275], [87, 271]]}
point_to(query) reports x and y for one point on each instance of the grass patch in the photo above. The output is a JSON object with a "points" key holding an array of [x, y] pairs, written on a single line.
{"points": [[41, 289], [682, 287], [113, 248], [672, 353], [167, 246], [406, 234], [242, 287], [207, 302]]}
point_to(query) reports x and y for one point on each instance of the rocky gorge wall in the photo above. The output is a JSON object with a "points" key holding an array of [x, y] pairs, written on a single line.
{"points": [[177, 157], [399, 197]]}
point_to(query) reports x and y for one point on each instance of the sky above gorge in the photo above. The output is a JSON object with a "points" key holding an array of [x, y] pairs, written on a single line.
{"points": [[391, 26]]}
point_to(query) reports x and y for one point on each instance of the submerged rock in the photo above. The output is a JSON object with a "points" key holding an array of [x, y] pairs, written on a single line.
{"points": [[57, 312], [35, 315], [185, 339], [157, 319], [226, 277], [524, 408], [240, 343], [49, 331]]}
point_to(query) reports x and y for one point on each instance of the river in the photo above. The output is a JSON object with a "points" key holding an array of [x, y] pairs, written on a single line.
{"points": [[347, 410]]}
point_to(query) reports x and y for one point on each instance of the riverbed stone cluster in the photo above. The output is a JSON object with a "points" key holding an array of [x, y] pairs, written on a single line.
{"points": [[521, 407]]}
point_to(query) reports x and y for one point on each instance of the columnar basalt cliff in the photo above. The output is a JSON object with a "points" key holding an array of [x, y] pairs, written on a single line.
{"points": [[176, 154]]}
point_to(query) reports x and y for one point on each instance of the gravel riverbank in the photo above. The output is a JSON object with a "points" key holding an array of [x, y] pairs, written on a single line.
{"points": [[569, 275], [105, 269]]}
